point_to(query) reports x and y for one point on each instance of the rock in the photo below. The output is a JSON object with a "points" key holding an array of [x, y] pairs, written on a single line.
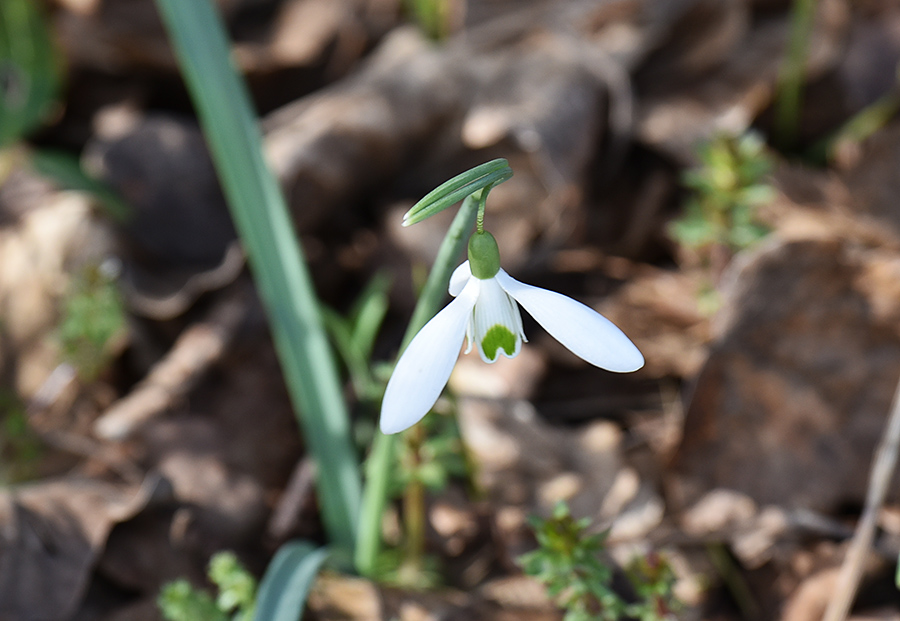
{"points": [[180, 239], [794, 396]]}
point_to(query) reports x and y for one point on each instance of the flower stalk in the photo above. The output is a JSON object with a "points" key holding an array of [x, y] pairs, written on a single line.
{"points": [[378, 465]]}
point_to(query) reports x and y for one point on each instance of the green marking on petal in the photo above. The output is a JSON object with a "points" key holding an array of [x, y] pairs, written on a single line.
{"points": [[498, 337]]}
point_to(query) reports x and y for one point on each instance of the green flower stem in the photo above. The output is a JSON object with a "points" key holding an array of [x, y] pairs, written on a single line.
{"points": [[378, 466], [448, 257], [482, 204], [281, 275]]}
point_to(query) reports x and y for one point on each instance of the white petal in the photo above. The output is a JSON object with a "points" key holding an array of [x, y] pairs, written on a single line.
{"points": [[586, 333], [425, 366], [496, 310], [459, 278]]}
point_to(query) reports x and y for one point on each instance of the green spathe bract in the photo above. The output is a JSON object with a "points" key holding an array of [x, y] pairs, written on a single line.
{"points": [[484, 255], [477, 181], [498, 337]]}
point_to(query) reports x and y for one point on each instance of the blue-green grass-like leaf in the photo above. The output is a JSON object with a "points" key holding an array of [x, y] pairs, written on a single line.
{"points": [[286, 583], [276, 258]]}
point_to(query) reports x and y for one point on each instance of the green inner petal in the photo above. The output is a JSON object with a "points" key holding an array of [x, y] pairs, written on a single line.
{"points": [[498, 337]]}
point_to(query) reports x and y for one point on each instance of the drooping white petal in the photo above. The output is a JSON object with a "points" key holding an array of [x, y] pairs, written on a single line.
{"points": [[459, 278], [586, 333], [498, 323], [425, 366]]}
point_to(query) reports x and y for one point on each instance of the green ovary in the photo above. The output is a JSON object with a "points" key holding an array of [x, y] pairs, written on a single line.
{"points": [[498, 337]]}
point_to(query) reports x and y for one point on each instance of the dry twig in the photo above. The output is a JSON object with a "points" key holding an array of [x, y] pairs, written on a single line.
{"points": [[882, 470], [198, 347]]}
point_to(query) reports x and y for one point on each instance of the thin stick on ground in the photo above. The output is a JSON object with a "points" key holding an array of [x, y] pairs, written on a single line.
{"points": [[882, 471]]}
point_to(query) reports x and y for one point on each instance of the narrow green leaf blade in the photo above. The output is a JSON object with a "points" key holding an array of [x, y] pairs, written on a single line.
{"points": [[276, 258], [369, 313], [286, 583]]}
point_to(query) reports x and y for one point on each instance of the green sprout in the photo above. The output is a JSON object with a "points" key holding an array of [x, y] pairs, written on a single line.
{"points": [[720, 216], [430, 455], [236, 600], [571, 563], [353, 336], [434, 17], [93, 318], [792, 74], [180, 601], [434, 459], [728, 188]]}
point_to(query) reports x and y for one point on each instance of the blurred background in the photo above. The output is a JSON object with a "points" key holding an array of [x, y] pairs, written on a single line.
{"points": [[720, 178]]}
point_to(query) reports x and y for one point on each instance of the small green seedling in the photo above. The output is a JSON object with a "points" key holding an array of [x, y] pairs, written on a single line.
{"points": [[728, 188], [353, 336], [236, 600], [93, 318], [429, 457], [720, 217], [434, 17], [571, 563]]}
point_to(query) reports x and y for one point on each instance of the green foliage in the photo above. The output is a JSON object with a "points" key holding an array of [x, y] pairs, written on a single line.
{"points": [[354, 336], [433, 460], [237, 588], [848, 138], [897, 574], [430, 455], [29, 69], [180, 601], [570, 562], [727, 188], [432, 16], [652, 579], [93, 316], [395, 568]]}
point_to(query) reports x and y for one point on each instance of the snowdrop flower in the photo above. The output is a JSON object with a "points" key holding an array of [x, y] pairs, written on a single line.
{"points": [[485, 314]]}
